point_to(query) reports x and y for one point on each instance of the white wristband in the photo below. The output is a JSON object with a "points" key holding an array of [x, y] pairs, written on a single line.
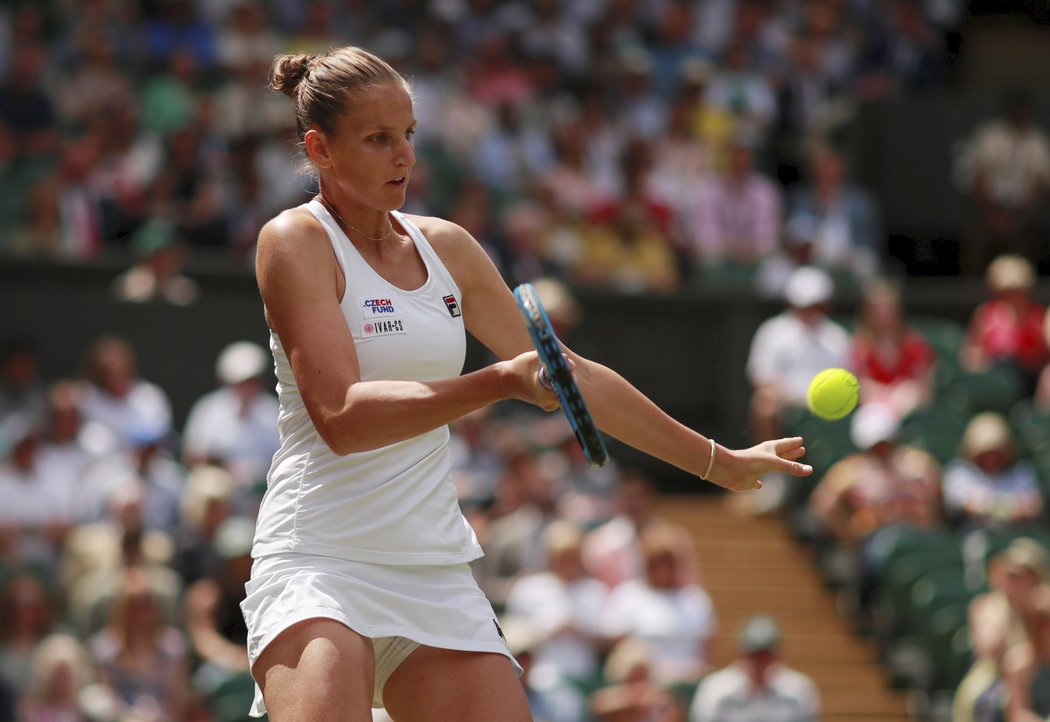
{"points": [[711, 461]]}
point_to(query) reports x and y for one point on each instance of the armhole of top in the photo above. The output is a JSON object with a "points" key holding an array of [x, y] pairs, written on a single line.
{"points": [[325, 218]]}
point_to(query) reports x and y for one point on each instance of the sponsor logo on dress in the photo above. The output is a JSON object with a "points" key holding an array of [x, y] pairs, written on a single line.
{"points": [[384, 327], [452, 305], [377, 306]]}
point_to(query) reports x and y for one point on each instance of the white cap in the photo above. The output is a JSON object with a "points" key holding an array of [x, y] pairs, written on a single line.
{"points": [[240, 361], [808, 286], [872, 423]]}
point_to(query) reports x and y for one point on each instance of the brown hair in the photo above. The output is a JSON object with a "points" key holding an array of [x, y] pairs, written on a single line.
{"points": [[321, 85]]}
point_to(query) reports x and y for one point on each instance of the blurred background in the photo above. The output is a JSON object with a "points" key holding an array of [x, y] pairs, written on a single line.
{"points": [[662, 168]]}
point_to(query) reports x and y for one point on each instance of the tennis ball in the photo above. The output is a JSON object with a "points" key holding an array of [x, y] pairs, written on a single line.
{"points": [[833, 393]]}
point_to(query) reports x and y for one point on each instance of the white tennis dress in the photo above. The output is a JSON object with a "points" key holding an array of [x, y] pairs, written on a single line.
{"points": [[374, 539]]}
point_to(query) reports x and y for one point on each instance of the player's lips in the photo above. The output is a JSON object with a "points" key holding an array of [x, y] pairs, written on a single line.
{"points": [[398, 181]]}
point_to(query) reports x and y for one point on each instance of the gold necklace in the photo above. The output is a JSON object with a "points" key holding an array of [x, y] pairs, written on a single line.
{"points": [[334, 212]]}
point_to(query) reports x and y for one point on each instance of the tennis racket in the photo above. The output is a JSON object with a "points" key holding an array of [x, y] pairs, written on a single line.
{"points": [[549, 349]]}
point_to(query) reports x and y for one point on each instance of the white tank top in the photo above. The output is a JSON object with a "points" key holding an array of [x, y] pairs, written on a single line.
{"points": [[395, 504]]}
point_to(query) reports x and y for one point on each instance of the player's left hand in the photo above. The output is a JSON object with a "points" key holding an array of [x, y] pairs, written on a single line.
{"points": [[742, 470]]}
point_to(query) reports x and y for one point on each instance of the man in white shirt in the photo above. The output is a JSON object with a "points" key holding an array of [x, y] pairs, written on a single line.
{"points": [[757, 687], [788, 350], [235, 426]]}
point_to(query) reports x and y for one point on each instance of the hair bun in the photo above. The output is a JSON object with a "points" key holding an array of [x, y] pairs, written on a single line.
{"points": [[288, 72]]}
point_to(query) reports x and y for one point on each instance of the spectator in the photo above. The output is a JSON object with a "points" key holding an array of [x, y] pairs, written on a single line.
{"points": [[564, 606], [217, 633], [36, 513], [61, 670], [66, 450], [737, 87], [99, 554], [207, 501], [117, 399], [868, 495], [999, 622], [22, 389], [905, 55], [675, 619], [629, 244], [849, 233], [549, 700], [633, 694], [28, 613], [739, 224], [794, 251], [758, 685], [574, 186], [512, 154], [1008, 326], [1006, 167], [628, 253], [235, 426], [157, 272], [26, 108], [788, 350], [514, 540], [40, 232], [1026, 667], [892, 360], [169, 100], [96, 85], [810, 103], [987, 485], [130, 160], [140, 657], [612, 552]]}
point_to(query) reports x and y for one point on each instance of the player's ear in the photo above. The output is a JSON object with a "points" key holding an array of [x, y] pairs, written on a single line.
{"points": [[317, 148]]}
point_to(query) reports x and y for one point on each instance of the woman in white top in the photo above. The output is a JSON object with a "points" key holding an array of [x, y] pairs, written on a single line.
{"points": [[361, 593]]}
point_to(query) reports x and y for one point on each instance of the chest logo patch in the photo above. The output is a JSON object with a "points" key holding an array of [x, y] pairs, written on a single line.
{"points": [[452, 305], [377, 307], [382, 327]]}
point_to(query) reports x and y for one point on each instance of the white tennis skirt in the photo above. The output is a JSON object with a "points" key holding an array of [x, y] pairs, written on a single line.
{"points": [[395, 606]]}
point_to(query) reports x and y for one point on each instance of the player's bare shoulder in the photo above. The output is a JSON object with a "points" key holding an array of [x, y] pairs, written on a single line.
{"points": [[444, 235], [293, 237]]}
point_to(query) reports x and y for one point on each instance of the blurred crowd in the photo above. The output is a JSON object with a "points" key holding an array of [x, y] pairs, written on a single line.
{"points": [[125, 544], [629, 146], [929, 508], [639, 146]]}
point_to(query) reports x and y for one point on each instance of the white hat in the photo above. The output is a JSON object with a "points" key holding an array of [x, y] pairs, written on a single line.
{"points": [[240, 361], [872, 423], [808, 286]]}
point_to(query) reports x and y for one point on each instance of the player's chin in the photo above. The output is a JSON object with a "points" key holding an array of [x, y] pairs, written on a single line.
{"points": [[397, 188]]}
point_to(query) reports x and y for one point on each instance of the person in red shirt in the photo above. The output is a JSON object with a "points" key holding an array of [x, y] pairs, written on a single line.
{"points": [[1009, 325], [891, 358]]}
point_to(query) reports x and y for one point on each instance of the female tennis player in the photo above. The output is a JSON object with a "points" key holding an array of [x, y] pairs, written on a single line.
{"points": [[361, 594]]}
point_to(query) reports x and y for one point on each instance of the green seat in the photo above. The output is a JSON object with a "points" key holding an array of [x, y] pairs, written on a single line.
{"points": [[946, 337], [904, 568], [1031, 426], [946, 639], [997, 389], [937, 428], [231, 699]]}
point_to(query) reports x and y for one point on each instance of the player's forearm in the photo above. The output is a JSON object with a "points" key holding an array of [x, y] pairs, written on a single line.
{"points": [[625, 413], [379, 413]]}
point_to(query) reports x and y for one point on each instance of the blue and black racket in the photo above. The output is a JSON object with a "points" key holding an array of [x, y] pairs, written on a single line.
{"points": [[549, 349]]}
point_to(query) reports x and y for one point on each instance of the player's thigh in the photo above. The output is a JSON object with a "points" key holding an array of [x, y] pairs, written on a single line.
{"points": [[318, 669], [444, 685]]}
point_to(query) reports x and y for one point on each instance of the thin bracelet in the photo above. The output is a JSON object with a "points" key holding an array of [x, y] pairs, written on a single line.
{"points": [[711, 462]]}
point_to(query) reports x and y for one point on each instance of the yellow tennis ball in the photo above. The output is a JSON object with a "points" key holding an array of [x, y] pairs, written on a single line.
{"points": [[833, 393]]}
